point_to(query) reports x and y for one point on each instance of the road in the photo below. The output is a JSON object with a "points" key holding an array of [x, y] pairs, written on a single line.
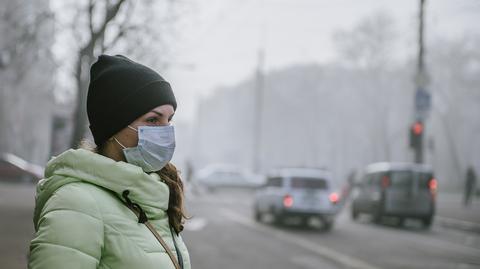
{"points": [[16, 225], [223, 234]]}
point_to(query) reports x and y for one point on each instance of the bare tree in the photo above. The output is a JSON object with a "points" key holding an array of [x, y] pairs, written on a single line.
{"points": [[27, 73], [369, 45], [22, 46], [368, 48], [455, 66], [86, 56], [110, 25]]}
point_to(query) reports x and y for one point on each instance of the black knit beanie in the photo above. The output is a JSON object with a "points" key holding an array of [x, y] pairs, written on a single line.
{"points": [[120, 91]]}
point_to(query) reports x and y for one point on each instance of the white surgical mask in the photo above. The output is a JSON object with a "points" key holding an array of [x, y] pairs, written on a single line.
{"points": [[155, 148]]}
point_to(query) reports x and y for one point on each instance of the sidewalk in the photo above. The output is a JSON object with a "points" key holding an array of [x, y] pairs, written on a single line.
{"points": [[451, 212]]}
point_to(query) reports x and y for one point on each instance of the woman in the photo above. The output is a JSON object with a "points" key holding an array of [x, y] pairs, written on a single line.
{"points": [[120, 205]]}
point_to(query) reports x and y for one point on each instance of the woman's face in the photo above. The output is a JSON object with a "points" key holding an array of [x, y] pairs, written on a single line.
{"points": [[161, 115]]}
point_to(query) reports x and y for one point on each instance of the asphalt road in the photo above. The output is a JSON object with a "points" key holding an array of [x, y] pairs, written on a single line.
{"points": [[16, 225], [223, 234]]}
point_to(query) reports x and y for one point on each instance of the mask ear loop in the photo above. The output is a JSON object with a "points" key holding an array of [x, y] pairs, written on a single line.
{"points": [[114, 138]]}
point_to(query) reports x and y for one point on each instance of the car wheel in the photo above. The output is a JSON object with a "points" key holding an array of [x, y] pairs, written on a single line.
{"points": [[354, 214], [377, 216], [427, 222], [277, 217], [257, 215], [327, 225]]}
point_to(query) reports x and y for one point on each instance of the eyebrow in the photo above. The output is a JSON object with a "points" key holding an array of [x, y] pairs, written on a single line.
{"points": [[161, 115]]}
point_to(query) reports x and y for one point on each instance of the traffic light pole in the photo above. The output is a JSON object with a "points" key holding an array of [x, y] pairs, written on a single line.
{"points": [[420, 39], [422, 97]]}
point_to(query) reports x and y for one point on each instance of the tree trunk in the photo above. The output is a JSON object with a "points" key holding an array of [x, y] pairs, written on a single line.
{"points": [[85, 59]]}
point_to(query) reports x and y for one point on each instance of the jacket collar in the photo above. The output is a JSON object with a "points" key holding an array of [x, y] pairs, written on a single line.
{"points": [[81, 165]]}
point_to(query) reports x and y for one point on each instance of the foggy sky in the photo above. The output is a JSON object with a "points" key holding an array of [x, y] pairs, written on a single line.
{"points": [[221, 41]]}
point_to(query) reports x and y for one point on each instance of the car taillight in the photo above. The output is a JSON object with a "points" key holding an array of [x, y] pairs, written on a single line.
{"points": [[385, 182], [333, 197], [287, 200], [432, 185]]}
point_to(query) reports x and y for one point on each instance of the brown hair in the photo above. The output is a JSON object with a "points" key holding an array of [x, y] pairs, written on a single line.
{"points": [[171, 176], [176, 210]]}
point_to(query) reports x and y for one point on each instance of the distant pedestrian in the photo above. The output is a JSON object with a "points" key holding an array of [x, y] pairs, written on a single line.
{"points": [[347, 189], [119, 205], [191, 185], [470, 186], [188, 171]]}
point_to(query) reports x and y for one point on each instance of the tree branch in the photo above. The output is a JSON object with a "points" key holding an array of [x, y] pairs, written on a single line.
{"points": [[91, 6], [110, 14], [123, 28]]}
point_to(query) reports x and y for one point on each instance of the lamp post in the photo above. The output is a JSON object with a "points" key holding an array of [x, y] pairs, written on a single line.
{"points": [[422, 95]]}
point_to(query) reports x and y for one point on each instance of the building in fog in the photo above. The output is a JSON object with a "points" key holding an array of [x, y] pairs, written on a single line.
{"points": [[312, 116], [335, 118], [27, 74]]}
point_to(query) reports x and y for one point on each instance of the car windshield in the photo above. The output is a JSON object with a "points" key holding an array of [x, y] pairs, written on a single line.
{"points": [[308, 183], [404, 179], [274, 182]]}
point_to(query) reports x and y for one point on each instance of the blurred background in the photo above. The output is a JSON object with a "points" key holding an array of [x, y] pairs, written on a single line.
{"points": [[263, 85]]}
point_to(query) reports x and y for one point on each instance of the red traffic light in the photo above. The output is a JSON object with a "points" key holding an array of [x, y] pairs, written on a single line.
{"points": [[417, 128], [416, 134]]}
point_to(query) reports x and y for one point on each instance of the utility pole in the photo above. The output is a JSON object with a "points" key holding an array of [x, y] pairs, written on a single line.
{"points": [[258, 112], [422, 95], [259, 89]]}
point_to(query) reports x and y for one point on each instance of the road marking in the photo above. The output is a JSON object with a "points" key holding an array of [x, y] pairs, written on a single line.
{"points": [[339, 258], [309, 262], [462, 224]]}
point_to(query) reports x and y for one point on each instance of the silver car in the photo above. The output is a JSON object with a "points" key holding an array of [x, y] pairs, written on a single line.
{"points": [[401, 190], [298, 192]]}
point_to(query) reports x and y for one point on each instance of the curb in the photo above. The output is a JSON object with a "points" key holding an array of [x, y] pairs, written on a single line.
{"points": [[458, 224]]}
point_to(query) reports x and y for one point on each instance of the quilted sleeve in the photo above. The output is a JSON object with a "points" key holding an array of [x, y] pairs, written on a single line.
{"points": [[69, 231]]}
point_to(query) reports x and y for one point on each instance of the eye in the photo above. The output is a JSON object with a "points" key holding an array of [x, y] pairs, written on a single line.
{"points": [[152, 120]]}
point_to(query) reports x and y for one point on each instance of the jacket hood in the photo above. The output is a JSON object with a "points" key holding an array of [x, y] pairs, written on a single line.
{"points": [[81, 165]]}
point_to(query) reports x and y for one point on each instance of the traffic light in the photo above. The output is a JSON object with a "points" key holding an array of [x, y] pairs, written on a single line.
{"points": [[416, 135]]}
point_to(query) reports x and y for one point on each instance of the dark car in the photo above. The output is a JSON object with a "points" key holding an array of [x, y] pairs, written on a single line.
{"points": [[401, 190]]}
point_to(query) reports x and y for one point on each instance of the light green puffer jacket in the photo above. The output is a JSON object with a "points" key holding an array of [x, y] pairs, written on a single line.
{"points": [[81, 220]]}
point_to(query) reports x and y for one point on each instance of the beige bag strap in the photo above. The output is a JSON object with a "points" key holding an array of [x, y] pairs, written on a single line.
{"points": [[164, 245], [160, 240]]}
